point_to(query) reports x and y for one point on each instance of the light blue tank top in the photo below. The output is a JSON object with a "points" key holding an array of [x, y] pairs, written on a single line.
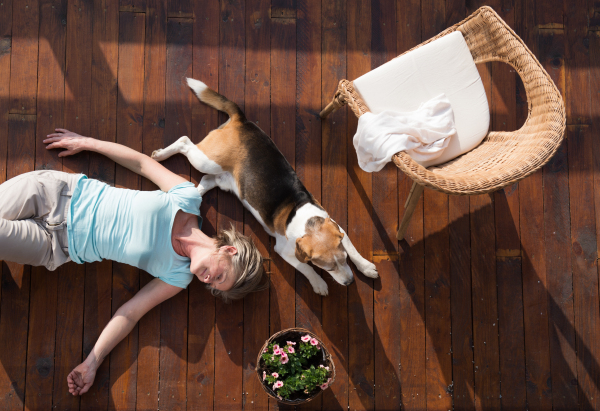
{"points": [[131, 227]]}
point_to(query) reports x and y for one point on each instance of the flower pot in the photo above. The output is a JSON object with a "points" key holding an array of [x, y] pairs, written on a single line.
{"points": [[323, 357]]}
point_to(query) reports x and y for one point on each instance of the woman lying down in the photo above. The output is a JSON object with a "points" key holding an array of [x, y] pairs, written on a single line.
{"points": [[48, 218]]}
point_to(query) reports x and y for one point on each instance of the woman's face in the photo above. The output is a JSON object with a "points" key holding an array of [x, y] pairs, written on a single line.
{"points": [[214, 269]]}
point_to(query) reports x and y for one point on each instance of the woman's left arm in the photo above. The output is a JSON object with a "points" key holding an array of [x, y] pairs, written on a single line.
{"points": [[135, 161], [156, 291]]}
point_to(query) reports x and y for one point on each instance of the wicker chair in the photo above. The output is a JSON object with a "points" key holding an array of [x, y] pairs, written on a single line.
{"points": [[502, 158]]}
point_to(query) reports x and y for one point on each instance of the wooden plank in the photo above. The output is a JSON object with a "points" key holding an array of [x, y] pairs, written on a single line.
{"points": [[13, 330], [524, 27], [71, 277], [98, 282], [125, 281], [411, 254], [386, 307], [282, 297], [506, 210], [180, 8], [229, 317], [584, 263], [511, 333], [333, 138], [578, 55], [283, 76], [510, 286], [5, 53], [594, 85], [51, 81], [309, 147], [134, 6], [360, 296], [289, 35], [438, 345], [40, 348], [174, 312], [78, 79], [155, 54], [257, 99], [456, 11], [462, 325], [438, 348], [43, 299], [24, 58], [535, 299], [563, 358], [14, 308], [201, 322], [563, 355], [484, 303]]}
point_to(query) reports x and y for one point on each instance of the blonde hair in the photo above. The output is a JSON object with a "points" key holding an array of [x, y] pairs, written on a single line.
{"points": [[247, 263]]}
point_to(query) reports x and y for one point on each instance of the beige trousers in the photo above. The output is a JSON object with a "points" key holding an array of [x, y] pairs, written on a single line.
{"points": [[33, 218]]}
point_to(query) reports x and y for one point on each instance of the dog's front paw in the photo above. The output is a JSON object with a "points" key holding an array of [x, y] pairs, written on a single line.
{"points": [[369, 270], [320, 286], [158, 155]]}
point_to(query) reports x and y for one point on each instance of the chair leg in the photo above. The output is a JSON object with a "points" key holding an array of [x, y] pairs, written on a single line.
{"points": [[410, 205], [333, 106]]}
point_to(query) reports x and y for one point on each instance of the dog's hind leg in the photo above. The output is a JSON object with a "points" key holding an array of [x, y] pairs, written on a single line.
{"points": [[196, 157], [180, 146]]}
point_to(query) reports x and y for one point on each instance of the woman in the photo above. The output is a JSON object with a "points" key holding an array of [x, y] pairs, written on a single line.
{"points": [[49, 217]]}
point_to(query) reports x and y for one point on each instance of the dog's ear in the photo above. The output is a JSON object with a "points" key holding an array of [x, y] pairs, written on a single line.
{"points": [[335, 228], [303, 250]]}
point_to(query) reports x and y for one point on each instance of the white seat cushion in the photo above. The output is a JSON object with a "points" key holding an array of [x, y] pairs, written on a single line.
{"points": [[442, 66]]}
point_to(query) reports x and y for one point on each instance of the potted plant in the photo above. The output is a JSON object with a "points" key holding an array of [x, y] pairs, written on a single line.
{"points": [[294, 366]]}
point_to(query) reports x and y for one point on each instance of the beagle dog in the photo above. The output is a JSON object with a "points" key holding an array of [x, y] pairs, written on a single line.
{"points": [[239, 157]]}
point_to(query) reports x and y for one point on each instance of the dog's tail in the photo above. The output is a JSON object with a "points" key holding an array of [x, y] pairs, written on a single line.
{"points": [[215, 100]]}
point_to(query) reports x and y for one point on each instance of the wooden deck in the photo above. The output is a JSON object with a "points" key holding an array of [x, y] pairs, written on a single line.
{"points": [[492, 303]]}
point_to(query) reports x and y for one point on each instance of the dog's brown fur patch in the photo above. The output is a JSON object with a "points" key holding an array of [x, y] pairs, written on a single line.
{"points": [[225, 147], [281, 217]]}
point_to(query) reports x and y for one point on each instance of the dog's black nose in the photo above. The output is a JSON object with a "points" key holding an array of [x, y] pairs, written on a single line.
{"points": [[350, 281]]}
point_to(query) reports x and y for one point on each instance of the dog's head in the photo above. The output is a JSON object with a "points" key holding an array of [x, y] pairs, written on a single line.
{"points": [[322, 245]]}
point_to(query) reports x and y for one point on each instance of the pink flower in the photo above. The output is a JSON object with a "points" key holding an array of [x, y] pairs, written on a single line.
{"points": [[278, 352], [306, 338], [275, 347], [264, 375], [322, 366], [291, 350], [324, 386], [279, 396], [313, 341], [284, 358], [275, 375], [291, 343], [272, 358], [278, 384]]}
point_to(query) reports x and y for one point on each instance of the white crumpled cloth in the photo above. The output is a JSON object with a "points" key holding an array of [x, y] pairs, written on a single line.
{"points": [[423, 134]]}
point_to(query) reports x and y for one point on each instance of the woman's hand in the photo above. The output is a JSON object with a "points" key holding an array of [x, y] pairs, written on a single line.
{"points": [[81, 378], [73, 143]]}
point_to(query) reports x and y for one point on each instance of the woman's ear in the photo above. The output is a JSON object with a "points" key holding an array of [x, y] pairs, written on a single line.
{"points": [[229, 250]]}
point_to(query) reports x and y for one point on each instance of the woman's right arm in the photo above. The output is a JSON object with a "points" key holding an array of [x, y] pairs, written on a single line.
{"points": [[139, 163], [156, 291]]}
